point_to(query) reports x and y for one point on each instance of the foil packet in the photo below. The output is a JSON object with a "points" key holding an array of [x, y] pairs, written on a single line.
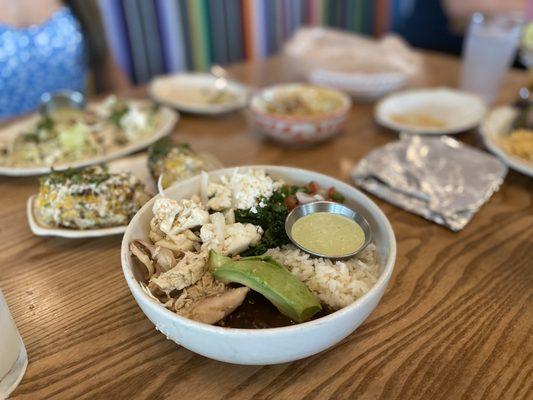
{"points": [[438, 178]]}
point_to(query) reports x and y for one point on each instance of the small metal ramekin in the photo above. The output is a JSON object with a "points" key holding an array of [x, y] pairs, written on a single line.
{"points": [[330, 207]]}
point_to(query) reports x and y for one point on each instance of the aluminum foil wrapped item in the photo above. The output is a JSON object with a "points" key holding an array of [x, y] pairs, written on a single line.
{"points": [[438, 178]]}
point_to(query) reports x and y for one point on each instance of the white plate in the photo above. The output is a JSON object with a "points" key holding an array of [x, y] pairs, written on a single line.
{"points": [[459, 111], [162, 89], [137, 165], [168, 119], [498, 123]]}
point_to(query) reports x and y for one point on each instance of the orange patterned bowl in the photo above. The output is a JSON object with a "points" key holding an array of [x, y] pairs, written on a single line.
{"points": [[299, 113]]}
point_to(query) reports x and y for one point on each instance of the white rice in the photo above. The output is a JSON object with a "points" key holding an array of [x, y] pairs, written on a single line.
{"points": [[336, 284]]}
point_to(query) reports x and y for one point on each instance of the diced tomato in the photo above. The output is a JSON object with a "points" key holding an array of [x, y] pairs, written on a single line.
{"points": [[291, 202], [313, 187], [331, 190]]}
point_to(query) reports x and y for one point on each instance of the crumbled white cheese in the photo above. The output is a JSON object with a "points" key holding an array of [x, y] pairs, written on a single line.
{"points": [[243, 190], [174, 217], [250, 186], [219, 196], [134, 121], [105, 108]]}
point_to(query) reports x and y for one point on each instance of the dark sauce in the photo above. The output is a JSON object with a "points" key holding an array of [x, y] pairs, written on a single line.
{"points": [[256, 312]]}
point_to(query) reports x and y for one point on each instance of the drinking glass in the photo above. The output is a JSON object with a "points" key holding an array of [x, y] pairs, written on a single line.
{"points": [[13, 357], [488, 51]]}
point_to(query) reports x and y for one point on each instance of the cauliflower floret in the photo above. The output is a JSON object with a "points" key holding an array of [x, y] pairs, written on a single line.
{"points": [[174, 217], [186, 272], [239, 237], [219, 196], [228, 239]]}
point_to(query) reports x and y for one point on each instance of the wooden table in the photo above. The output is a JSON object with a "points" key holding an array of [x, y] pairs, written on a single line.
{"points": [[455, 322]]}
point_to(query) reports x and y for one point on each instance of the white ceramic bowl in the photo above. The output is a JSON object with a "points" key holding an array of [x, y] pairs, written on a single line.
{"points": [[297, 129], [362, 86], [264, 346], [459, 111]]}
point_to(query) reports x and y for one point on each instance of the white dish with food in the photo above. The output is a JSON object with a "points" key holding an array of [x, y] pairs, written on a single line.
{"points": [[198, 93], [73, 138], [84, 209], [213, 216], [171, 162], [298, 113], [513, 147], [434, 111]]}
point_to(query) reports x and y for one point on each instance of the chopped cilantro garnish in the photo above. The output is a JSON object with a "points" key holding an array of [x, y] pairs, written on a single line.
{"points": [[46, 123], [118, 110], [31, 137], [162, 147]]}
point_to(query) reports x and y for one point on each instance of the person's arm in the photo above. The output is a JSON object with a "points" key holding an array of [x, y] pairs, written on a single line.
{"points": [[460, 11], [107, 74], [109, 77]]}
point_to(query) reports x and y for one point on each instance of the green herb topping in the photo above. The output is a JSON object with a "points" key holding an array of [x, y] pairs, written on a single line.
{"points": [[162, 147], [271, 218], [85, 176]]}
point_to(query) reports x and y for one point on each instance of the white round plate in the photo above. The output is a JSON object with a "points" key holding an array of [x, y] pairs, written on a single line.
{"points": [[498, 123], [162, 90], [168, 119], [458, 110], [137, 165]]}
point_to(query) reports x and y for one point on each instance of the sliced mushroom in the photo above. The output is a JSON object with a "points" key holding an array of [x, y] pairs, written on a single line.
{"points": [[212, 309], [163, 257], [155, 233], [143, 257]]}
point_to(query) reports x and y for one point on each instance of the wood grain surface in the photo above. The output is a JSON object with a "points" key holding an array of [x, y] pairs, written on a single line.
{"points": [[455, 322]]}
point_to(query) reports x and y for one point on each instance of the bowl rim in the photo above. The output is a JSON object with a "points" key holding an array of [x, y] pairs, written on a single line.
{"points": [[384, 277], [343, 109]]}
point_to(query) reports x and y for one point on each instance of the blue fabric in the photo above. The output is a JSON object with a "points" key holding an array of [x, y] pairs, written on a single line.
{"points": [[38, 59], [427, 27]]}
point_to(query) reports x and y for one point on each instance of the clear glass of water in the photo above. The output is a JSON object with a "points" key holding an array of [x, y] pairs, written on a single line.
{"points": [[488, 51], [13, 356]]}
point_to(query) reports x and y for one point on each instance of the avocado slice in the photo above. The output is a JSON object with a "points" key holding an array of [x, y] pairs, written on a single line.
{"points": [[264, 275]]}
